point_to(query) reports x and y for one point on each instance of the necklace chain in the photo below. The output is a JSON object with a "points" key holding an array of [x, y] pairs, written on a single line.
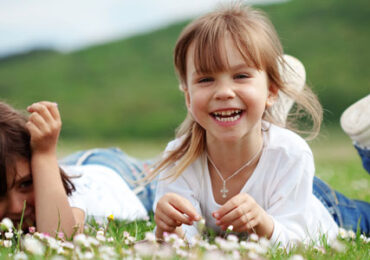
{"points": [[224, 190]]}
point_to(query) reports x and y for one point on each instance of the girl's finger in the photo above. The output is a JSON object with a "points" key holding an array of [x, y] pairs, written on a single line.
{"points": [[233, 215], [38, 121], [185, 207], [42, 110], [34, 130], [244, 222], [229, 206], [168, 220], [173, 213], [163, 225], [251, 225], [53, 109]]}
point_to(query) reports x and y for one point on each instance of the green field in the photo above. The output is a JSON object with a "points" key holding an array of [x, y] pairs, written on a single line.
{"points": [[127, 89]]}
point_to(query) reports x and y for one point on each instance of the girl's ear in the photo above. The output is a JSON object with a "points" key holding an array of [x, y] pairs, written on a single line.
{"points": [[187, 98], [272, 96], [184, 88]]}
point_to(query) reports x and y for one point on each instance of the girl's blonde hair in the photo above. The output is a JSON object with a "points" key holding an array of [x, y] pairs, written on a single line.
{"points": [[257, 41]]}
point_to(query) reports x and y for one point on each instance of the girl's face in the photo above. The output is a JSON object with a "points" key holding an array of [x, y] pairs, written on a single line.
{"points": [[20, 189], [228, 104]]}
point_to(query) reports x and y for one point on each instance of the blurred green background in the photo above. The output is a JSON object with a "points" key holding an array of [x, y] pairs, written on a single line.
{"points": [[128, 89], [125, 93]]}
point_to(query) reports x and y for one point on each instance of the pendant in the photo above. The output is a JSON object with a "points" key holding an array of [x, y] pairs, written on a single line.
{"points": [[224, 190]]}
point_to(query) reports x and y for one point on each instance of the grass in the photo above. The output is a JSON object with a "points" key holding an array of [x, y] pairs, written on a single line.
{"points": [[336, 162], [121, 240]]}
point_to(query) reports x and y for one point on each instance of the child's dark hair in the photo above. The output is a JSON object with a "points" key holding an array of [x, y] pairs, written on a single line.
{"points": [[15, 144]]}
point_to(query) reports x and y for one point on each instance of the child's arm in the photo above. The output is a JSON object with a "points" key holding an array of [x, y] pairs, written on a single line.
{"points": [[245, 215], [171, 212], [51, 203]]}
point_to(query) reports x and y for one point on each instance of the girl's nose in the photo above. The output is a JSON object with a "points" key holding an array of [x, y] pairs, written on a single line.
{"points": [[224, 91]]}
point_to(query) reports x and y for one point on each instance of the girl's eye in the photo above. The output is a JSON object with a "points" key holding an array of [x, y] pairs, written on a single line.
{"points": [[205, 80], [242, 76], [26, 184]]}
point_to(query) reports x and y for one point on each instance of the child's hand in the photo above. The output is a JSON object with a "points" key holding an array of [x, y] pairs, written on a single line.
{"points": [[245, 215], [44, 125], [172, 211]]}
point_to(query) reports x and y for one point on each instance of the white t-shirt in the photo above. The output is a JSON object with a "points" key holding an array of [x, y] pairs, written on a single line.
{"points": [[100, 192], [281, 184]]}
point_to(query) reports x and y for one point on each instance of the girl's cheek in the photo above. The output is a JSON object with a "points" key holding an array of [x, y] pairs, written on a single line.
{"points": [[31, 198], [253, 96]]}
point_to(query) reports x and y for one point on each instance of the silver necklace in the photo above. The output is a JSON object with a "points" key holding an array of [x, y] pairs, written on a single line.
{"points": [[224, 190]]}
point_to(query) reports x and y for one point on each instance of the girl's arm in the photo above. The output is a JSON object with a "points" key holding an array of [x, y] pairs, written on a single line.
{"points": [[51, 204]]}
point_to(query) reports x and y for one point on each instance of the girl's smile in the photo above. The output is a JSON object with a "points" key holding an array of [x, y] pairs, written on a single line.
{"points": [[227, 117]]}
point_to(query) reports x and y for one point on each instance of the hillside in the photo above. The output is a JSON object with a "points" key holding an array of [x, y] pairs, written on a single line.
{"points": [[128, 89]]}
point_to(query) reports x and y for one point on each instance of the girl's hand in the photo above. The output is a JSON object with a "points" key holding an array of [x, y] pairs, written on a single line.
{"points": [[44, 125], [244, 214], [171, 212]]}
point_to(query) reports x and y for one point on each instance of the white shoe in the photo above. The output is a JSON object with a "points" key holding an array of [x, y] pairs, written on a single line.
{"points": [[355, 122], [293, 75]]}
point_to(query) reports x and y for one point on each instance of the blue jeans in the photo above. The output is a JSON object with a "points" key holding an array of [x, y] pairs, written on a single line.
{"points": [[347, 213], [129, 169]]}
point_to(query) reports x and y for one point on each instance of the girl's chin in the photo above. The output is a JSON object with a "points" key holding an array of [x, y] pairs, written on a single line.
{"points": [[227, 137], [27, 223]]}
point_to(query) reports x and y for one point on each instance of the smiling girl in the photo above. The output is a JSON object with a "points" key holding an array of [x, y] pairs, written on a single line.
{"points": [[235, 162]]}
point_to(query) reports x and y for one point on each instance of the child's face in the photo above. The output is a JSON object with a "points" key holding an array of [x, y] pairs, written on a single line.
{"points": [[228, 104], [20, 189]]}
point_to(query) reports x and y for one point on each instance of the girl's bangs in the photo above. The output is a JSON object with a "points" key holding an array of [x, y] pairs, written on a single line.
{"points": [[210, 55]]}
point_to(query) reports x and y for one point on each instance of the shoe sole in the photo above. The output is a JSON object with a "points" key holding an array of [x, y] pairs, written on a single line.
{"points": [[355, 120]]}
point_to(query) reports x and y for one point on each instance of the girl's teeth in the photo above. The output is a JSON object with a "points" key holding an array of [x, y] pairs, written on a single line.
{"points": [[227, 119], [226, 113]]}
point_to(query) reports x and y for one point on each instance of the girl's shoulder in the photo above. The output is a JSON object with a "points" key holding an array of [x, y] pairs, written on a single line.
{"points": [[172, 145], [192, 170], [279, 138]]}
